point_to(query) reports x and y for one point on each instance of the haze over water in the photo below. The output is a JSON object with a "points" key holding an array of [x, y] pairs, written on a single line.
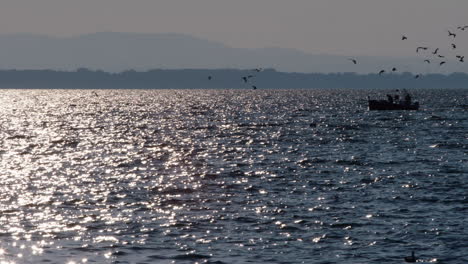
{"points": [[231, 176]]}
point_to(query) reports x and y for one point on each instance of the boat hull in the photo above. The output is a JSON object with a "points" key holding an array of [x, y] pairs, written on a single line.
{"points": [[385, 105]]}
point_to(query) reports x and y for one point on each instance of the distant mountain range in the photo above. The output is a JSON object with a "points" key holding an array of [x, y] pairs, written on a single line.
{"points": [[116, 52]]}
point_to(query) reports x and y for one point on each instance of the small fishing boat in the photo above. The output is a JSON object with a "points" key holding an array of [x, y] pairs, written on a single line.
{"points": [[393, 103]]}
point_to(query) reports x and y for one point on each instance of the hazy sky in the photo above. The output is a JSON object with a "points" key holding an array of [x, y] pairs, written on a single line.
{"points": [[348, 27]]}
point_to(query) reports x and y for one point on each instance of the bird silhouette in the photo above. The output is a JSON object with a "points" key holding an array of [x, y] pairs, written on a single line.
{"points": [[440, 56], [95, 94], [411, 258], [460, 58], [404, 37], [462, 28], [209, 77], [421, 48], [394, 69], [254, 87], [416, 76], [382, 71], [435, 51], [451, 34], [250, 76], [245, 79], [428, 61], [454, 46], [442, 63], [353, 60], [258, 69]]}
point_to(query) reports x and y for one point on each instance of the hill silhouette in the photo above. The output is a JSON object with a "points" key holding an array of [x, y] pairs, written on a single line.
{"points": [[116, 52]]}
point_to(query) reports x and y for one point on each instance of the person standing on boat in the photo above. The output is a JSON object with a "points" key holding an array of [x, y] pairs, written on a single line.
{"points": [[408, 99], [397, 96], [390, 98]]}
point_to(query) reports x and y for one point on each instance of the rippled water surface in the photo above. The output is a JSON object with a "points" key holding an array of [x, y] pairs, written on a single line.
{"points": [[231, 176]]}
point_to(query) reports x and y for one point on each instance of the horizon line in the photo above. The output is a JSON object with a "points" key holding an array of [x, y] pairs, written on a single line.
{"points": [[265, 69]]}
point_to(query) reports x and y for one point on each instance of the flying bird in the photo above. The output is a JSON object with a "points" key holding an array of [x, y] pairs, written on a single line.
{"points": [[442, 63], [452, 34], [404, 37], [245, 79], [258, 69], [382, 71], [421, 48], [416, 76], [440, 56], [454, 46], [353, 60], [462, 28], [250, 76], [394, 69], [254, 87], [435, 51], [428, 61], [209, 77], [461, 58]]}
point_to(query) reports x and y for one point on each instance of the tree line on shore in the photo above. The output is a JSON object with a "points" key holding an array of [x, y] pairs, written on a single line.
{"points": [[219, 78]]}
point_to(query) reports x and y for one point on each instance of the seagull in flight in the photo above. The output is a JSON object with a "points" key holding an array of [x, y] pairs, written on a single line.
{"points": [[394, 69], [421, 48], [442, 63], [435, 51], [428, 61], [451, 34], [461, 58], [209, 77], [258, 69], [382, 71], [454, 46], [353, 60], [417, 76], [440, 56], [254, 87], [404, 37], [245, 79]]}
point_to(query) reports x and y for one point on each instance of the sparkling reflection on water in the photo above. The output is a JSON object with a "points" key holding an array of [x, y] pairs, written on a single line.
{"points": [[231, 176]]}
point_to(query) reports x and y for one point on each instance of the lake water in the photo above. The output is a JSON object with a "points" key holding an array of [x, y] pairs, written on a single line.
{"points": [[231, 176]]}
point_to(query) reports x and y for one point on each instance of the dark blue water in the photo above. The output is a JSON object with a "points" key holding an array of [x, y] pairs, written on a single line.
{"points": [[231, 176]]}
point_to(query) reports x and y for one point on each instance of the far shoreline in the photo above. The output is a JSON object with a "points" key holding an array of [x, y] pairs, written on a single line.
{"points": [[222, 79]]}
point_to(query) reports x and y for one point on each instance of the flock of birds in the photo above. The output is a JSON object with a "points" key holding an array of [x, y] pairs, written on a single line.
{"points": [[435, 53], [420, 50], [246, 79]]}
